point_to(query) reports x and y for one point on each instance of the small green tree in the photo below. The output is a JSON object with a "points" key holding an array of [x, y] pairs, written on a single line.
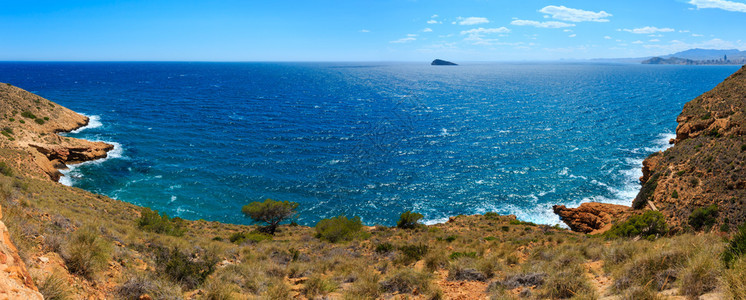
{"points": [[339, 228], [704, 217], [271, 212], [408, 220]]}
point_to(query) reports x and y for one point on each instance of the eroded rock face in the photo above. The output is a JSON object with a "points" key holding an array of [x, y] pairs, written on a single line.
{"points": [[592, 217], [707, 164], [37, 135], [15, 281]]}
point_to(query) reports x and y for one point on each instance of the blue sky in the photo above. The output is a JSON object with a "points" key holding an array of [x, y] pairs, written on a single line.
{"points": [[375, 30]]}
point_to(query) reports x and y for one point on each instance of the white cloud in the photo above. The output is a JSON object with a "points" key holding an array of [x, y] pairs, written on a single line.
{"points": [[721, 4], [572, 35], [364, 30], [697, 35], [638, 42], [575, 15], [607, 37], [550, 24], [427, 30], [648, 30], [473, 21], [654, 40], [676, 45], [433, 16], [403, 40], [432, 22], [567, 30], [486, 30], [411, 35]]}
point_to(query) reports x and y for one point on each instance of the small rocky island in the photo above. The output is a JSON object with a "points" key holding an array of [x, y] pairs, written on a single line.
{"points": [[440, 62]]}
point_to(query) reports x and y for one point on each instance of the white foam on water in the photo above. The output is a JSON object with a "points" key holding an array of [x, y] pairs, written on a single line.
{"points": [[94, 121]]}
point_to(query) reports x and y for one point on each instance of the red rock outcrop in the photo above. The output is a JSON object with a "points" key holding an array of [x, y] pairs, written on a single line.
{"points": [[592, 217], [15, 281]]}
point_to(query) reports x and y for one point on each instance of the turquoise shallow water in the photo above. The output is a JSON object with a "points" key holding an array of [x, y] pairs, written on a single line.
{"points": [[199, 140]]}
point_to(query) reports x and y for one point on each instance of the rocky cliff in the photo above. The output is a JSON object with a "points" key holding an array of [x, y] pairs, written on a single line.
{"points": [[707, 165], [30, 124], [15, 281]]}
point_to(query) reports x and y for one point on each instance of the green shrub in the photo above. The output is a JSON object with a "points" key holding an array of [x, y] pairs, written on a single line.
{"points": [[39, 121], [704, 217], [138, 285], [339, 228], [407, 281], [317, 285], [675, 194], [457, 255], [271, 212], [413, 253], [87, 252], [151, 221], [736, 247], [181, 268], [252, 237], [409, 220], [5, 169], [384, 248], [55, 287], [648, 225], [28, 115]]}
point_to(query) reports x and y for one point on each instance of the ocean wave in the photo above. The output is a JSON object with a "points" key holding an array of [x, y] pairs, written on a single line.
{"points": [[94, 121]]}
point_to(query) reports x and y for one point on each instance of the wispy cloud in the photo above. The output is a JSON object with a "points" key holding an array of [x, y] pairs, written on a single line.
{"points": [[575, 15], [486, 30], [549, 24], [721, 4], [676, 45], [432, 22], [407, 39], [648, 30], [427, 30], [607, 37], [572, 35], [364, 30], [473, 21]]}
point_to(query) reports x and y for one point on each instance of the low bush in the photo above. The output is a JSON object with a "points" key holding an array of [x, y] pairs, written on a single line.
{"points": [[567, 283], [55, 287], [249, 237], [463, 270], [339, 229], [704, 217], [656, 270], [5, 169], [28, 115], [736, 247], [406, 281], [151, 221], [271, 212], [317, 285], [413, 253], [650, 225], [87, 252], [365, 287], [734, 280], [384, 248], [137, 285], [181, 268], [457, 255], [700, 276], [409, 220], [39, 121]]}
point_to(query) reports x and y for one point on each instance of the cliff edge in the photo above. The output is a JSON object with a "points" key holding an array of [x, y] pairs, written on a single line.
{"points": [[707, 164], [30, 124]]}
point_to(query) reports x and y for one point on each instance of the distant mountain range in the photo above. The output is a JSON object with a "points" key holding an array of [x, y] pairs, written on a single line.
{"points": [[690, 57]]}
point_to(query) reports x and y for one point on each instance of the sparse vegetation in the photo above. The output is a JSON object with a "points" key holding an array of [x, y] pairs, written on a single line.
{"points": [[5, 169], [736, 247], [28, 115], [87, 252]]}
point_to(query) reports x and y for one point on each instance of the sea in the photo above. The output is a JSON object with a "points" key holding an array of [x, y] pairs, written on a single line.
{"points": [[199, 140]]}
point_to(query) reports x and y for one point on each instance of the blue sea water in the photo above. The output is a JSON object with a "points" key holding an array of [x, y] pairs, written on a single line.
{"points": [[199, 140]]}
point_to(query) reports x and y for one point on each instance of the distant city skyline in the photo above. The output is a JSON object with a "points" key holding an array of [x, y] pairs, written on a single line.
{"points": [[385, 30]]}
